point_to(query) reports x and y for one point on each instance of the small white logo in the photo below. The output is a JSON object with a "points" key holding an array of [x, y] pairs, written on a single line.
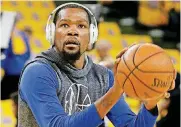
{"points": [[76, 98]]}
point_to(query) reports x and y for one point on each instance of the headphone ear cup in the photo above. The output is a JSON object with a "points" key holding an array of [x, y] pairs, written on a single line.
{"points": [[93, 36], [50, 33]]}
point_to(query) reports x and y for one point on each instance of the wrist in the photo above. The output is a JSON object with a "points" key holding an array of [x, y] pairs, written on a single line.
{"points": [[150, 106], [117, 89]]}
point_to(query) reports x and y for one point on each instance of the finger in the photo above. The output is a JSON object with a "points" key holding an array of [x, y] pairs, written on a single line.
{"points": [[116, 65], [175, 74], [161, 96], [167, 95], [173, 85], [164, 95], [122, 52], [132, 45]]}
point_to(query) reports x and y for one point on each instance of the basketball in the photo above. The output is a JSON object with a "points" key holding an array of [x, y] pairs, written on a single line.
{"points": [[148, 70]]}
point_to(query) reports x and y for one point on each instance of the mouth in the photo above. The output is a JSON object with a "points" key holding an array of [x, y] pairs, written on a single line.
{"points": [[72, 44]]}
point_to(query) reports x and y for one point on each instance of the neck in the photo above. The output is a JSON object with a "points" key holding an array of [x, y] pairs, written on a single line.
{"points": [[79, 64]]}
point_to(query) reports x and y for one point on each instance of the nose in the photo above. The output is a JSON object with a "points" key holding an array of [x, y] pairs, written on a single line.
{"points": [[73, 32]]}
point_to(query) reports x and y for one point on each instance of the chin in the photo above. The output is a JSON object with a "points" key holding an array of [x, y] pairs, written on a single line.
{"points": [[73, 56]]}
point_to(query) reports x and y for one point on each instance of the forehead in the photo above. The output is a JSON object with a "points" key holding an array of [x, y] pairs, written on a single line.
{"points": [[73, 14]]}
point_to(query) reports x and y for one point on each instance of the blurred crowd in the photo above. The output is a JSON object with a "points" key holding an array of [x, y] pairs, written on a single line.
{"points": [[120, 23]]}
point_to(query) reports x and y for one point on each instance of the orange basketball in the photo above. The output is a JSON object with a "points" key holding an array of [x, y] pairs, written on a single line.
{"points": [[148, 70]]}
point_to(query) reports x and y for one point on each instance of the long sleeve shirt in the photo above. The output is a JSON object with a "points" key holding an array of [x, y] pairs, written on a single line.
{"points": [[38, 89]]}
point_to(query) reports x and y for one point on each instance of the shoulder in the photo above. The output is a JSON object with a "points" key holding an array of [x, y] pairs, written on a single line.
{"points": [[38, 71], [105, 72], [100, 67], [103, 69], [37, 78], [38, 67]]}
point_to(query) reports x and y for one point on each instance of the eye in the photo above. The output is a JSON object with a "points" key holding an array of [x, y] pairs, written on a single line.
{"points": [[64, 25], [81, 26]]}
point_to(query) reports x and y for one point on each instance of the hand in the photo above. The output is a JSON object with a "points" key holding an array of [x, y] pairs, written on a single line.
{"points": [[150, 104], [118, 58]]}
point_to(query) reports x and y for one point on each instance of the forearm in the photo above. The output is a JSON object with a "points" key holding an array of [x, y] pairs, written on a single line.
{"points": [[106, 102], [86, 118], [121, 115]]}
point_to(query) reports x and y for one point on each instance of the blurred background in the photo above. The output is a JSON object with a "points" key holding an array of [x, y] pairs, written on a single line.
{"points": [[120, 24]]}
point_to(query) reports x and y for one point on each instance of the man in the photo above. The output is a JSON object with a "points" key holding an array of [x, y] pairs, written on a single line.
{"points": [[13, 61], [102, 48], [62, 87]]}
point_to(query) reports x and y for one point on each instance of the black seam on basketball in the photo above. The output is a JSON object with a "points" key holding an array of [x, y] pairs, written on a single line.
{"points": [[131, 72], [145, 60], [135, 55], [136, 67], [126, 63], [146, 85], [130, 81]]}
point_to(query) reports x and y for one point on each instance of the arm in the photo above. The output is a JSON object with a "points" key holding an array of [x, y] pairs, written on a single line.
{"points": [[38, 90], [121, 115], [4, 60]]}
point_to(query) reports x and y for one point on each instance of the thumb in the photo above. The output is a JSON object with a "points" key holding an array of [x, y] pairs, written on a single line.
{"points": [[116, 65], [122, 52]]}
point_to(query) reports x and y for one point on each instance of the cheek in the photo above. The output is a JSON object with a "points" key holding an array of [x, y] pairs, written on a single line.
{"points": [[85, 39], [59, 35]]}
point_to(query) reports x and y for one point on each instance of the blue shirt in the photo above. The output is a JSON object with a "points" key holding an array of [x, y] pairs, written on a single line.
{"points": [[38, 89], [14, 63]]}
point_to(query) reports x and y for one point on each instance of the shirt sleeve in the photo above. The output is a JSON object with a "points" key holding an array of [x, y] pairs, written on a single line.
{"points": [[121, 115], [38, 87], [7, 53]]}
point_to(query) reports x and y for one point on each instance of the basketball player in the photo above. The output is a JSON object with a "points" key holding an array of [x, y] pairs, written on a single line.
{"points": [[62, 87]]}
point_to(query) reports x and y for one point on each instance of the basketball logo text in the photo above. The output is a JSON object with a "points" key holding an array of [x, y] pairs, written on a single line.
{"points": [[161, 83]]}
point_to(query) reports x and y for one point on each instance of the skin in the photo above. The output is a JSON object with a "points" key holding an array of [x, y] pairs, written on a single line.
{"points": [[73, 26]]}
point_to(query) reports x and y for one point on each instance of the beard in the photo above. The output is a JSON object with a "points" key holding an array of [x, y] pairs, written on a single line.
{"points": [[71, 56]]}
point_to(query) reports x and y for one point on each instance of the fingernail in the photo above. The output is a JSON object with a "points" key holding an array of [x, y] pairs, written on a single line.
{"points": [[168, 95]]}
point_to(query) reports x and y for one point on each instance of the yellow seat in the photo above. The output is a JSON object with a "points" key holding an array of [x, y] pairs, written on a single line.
{"points": [[134, 104], [129, 39], [109, 29], [125, 40], [152, 16], [168, 5], [7, 6], [39, 44], [7, 117]]}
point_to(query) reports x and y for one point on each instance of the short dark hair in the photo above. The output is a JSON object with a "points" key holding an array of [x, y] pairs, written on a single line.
{"points": [[70, 6]]}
